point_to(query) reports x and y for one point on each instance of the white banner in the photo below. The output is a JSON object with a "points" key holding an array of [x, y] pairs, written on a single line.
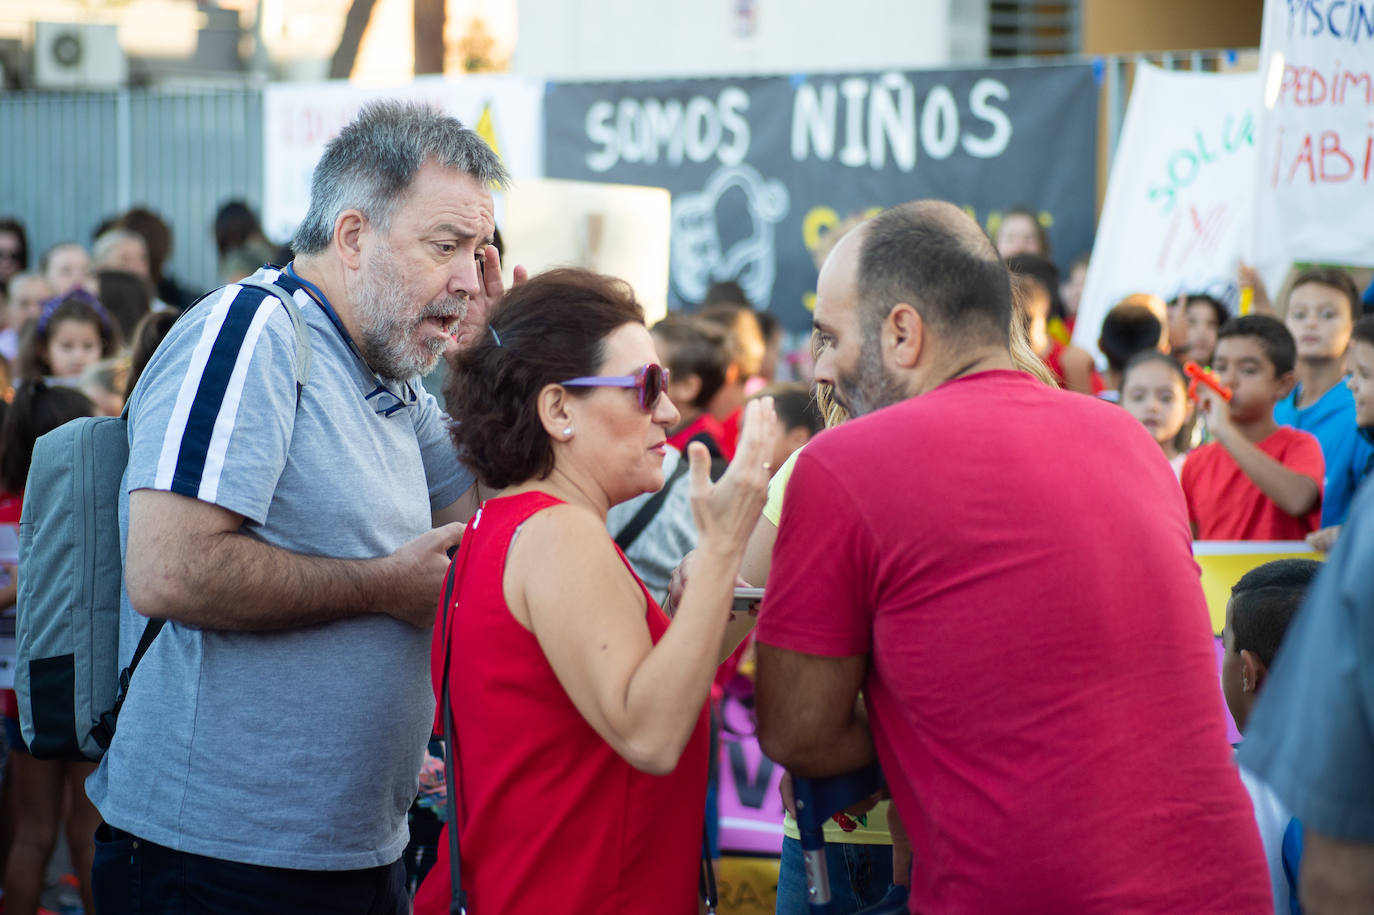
{"points": [[1316, 138], [1177, 214], [300, 118], [610, 228]]}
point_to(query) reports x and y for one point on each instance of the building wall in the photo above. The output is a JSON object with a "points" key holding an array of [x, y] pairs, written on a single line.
{"points": [[1131, 26], [589, 39]]}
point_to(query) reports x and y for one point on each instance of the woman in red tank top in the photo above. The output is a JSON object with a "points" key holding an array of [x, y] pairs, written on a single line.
{"points": [[580, 755]]}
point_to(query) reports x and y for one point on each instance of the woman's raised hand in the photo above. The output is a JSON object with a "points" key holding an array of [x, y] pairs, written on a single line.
{"points": [[726, 511]]}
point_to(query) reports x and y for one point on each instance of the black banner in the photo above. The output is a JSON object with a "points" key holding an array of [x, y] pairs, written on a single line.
{"points": [[761, 168]]}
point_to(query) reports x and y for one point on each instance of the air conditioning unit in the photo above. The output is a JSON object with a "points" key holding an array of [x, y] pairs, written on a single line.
{"points": [[78, 55]]}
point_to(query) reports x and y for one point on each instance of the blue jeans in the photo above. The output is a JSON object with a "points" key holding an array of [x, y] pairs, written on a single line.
{"points": [[859, 876], [132, 876]]}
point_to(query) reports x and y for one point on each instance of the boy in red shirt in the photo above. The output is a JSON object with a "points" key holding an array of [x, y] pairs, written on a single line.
{"points": [[1258, 480]]}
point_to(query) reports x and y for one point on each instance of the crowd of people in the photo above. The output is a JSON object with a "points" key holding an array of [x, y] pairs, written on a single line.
{"points": [[975, 545]]}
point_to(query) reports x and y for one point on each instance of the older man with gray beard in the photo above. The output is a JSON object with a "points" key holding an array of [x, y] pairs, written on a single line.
{"points": [[294, 540]]}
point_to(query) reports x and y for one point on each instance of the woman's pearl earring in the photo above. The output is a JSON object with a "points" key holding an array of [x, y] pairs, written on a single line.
{"points": [[567, 433]]}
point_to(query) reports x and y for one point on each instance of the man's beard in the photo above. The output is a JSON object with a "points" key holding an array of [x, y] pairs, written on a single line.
{"points": [[386, 343], [869, 387]]}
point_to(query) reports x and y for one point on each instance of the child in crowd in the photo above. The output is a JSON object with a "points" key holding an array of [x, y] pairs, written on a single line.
{"points": [[146, 338], [1036, 289], [72, 332], [1260, 610], [797, 415], [1323, 306], [745, 346], [1258, 480], [1020, 232], [1126, 330], [1155, 391], [66, 266], [695, 354], [1359, 360], [1071, 291], [47, 794], [27, 292], [1203, 316]]}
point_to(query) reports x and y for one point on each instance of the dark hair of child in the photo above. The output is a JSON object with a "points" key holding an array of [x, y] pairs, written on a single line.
{"points": [[1127, 330], [37, 409], [16, 228], [1218, 308], [1364, 330], [1042, 272], [1264, 601], [795, 406], [693, 346], [745, 341], [1335, 278], [149, 333], [126, 297], [1274, 338], [77, 305]]}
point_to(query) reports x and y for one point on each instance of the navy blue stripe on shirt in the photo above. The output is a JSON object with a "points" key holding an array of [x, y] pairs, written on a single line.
{"points": [[214, 381]]}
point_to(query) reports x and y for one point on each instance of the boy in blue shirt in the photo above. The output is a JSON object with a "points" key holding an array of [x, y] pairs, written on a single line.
{"points": [[1323, 306]]}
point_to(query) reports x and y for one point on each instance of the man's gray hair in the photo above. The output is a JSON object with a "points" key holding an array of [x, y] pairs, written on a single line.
{"points": [[370, 165]]}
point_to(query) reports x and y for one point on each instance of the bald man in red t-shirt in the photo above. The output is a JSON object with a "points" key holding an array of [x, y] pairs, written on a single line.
{"points": [[1005, 571]]}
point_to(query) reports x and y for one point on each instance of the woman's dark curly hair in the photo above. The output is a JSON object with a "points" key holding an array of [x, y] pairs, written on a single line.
{"points": [[549, 329]]}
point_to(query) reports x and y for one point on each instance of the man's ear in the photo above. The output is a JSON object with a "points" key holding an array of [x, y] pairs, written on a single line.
{"points": [[906, 333], [555, 406], [1286, 382], [1252, 671], [349, 229]]}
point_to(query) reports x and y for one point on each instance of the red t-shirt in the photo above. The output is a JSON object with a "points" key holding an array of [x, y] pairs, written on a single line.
{"points": [[1226, 505], [552, 819], [712, 427], [1041, 685], [11, 507]]}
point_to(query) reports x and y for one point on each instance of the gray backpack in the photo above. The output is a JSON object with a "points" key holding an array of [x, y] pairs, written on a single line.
{"points": [[67, 677]]}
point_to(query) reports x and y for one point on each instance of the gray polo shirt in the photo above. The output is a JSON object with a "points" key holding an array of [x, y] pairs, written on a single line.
{"points": [[296, 749]]}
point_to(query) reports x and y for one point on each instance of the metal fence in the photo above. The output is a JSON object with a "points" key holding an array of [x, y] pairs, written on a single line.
{"points": [[70, 160]]}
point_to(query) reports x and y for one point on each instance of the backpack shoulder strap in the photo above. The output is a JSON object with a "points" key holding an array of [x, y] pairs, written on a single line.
{"points": [[297, 321], [647, 512]]}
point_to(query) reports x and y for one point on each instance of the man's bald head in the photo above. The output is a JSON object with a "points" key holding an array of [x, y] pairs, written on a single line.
{"points": [[934, 257]]}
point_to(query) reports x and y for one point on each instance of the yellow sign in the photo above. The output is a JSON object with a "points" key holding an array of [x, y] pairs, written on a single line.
{"points": [[1223, 562], [748, 886]]}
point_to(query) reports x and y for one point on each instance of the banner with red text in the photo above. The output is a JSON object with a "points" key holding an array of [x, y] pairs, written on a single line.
{"points": [[1177, 213], [1316, 134]]}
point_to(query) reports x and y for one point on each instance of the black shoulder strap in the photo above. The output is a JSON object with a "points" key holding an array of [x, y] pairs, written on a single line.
{"points": [[630, 532], [103, 732], [458, 900]]}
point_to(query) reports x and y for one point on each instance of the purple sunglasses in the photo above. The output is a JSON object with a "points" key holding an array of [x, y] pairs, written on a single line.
{"points": [[649, 382]]}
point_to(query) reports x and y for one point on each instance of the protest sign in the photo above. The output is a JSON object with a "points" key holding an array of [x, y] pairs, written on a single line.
{"points": [[1177, 214], [762, 168], [300, 118], [609, 228], [750, 803], [1223, 562], [1315, 182]]}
